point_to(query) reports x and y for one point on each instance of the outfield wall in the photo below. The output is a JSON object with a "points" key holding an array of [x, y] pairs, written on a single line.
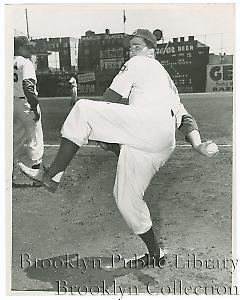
{"points": [[218, 78]]}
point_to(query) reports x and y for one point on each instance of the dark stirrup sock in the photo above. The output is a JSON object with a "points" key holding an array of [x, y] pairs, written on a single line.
{"points": [[65, 154], [36, 167], [151, 242]]}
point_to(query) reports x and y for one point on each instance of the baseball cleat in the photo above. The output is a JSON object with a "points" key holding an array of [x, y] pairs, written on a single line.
{"points": [[28, 172], [147, 260], [39, 176]]}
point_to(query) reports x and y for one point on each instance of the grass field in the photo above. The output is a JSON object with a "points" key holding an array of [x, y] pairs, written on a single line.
{"points": [[190, 200], [212, 112]]}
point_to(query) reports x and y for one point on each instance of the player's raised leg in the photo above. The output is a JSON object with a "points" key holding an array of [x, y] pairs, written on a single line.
{"points": [[108, 122]]}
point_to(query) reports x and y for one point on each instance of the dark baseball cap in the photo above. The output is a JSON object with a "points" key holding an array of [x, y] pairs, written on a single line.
{"points": [[22, 41], [143, 33]]}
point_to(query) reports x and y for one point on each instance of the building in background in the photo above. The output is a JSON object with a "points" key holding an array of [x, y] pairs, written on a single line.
{"points": [[100, 55], [68, 52], [96, 58], [104, 54], [186, 62], [67, 49], [56, 60]]}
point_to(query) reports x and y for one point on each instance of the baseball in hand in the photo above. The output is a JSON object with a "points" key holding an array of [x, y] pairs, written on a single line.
{"points": [[212, 148]]}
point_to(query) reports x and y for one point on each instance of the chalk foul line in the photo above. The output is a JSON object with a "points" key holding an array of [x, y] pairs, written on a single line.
{"points": [[95, 146]]}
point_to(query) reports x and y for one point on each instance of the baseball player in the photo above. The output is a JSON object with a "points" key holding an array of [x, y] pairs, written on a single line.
{"points": [[73, 87], [28, 144], [145, 129]]}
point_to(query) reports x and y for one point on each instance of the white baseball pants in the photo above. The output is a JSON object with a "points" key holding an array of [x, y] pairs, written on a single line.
{"points": [[28, 143], [147, 138]]}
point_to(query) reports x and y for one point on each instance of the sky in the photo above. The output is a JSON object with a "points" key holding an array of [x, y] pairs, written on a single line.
{"points": [[212, 24]]}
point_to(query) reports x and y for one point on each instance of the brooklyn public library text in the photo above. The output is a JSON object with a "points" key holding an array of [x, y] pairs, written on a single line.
{"points": [[176, 287]]}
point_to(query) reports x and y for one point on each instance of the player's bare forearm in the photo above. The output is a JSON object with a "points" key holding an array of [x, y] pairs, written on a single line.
{"points": [[207, 148], [194, 138], [190, 130]]}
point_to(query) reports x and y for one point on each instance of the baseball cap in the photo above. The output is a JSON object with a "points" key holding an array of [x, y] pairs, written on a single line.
{"points": [[143, 33], [21, 41]]}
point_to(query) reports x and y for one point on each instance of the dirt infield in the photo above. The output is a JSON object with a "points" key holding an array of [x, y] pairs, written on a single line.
{"points": [[69, 238]]}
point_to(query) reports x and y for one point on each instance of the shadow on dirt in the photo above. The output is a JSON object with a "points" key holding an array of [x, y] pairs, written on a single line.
{"points": [[94, 275], [24, 185]]}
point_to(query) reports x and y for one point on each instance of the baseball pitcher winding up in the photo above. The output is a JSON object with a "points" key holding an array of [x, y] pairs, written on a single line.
{"points": [[144, 129]]}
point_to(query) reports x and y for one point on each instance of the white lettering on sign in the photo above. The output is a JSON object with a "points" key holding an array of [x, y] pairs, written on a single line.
{"points": [[114, 36], [86, 88], [165, 50], [111, 53], [174, 49], [170, 50], [185, 48], [86, 77], [90, 38], [111, 63], [222, 89]]}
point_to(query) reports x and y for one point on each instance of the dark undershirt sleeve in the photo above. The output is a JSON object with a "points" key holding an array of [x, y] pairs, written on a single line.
{"points": [[111, 96], [188, 124], [29, 86]]}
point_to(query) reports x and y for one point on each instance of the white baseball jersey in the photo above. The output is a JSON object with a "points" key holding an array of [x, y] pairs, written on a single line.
{"points": [[23, 69], [73, 82], [147, 84], [144, 81]]}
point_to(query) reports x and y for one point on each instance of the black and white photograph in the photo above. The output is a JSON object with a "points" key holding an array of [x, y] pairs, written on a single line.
{"points": [[120, 144]]}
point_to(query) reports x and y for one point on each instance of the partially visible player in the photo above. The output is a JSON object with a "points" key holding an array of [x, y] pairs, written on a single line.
{"points": [[73, 87], [28, 144]]}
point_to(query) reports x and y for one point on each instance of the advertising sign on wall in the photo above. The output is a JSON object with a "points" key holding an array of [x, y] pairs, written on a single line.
{"points": [[179, 48], [86, 88], [86, 77], [86, 83], [219, 78]]}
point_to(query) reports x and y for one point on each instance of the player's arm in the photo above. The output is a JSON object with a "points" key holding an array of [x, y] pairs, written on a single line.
{"points": [[111, 96], [188, 124], [192, 135], [189, 129], [121, 85], [29, 89], [203, 148], [185, 122]]}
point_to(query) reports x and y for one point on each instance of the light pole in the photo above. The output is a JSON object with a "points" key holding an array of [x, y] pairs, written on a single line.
{"points": [[26, 14]]}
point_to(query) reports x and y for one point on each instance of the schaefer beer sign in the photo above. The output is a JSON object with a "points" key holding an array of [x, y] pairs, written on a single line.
{"points": [[220, 78]]}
